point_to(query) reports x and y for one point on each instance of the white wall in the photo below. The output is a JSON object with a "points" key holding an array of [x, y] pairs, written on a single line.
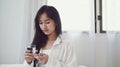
{"points": [[11, 25]]}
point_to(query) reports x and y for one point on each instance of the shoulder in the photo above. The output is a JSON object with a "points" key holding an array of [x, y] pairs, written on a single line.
{"points": [[64, 38], [66, 41]]}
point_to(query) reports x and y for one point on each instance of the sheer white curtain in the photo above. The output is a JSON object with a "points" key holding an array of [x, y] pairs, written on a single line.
{"points": [[84, 47], [31, 8], [113, 49], [111, 9]]}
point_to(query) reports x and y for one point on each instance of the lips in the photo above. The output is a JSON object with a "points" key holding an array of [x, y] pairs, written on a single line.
{"points": [[45, 30]]}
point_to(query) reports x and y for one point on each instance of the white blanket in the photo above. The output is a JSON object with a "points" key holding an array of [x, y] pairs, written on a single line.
{"points": [[21, 65]]}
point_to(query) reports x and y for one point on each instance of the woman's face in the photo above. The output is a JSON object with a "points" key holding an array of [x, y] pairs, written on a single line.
{"points": [[46, 24]]}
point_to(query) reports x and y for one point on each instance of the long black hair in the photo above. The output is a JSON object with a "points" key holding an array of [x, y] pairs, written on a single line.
{"points": [[40, 38]]}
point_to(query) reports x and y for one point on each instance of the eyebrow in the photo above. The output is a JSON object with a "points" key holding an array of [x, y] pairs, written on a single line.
{"points": [[46, 19]]}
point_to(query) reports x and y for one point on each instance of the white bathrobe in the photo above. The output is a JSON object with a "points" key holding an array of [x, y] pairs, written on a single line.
{"points": [[61, 54]]}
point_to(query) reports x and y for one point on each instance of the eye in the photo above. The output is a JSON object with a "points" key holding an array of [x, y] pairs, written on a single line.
{"points": [[40, 22], [47, 22]]}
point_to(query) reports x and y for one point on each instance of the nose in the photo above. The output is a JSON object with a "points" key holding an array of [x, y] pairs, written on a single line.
{"points": [[44, 26]]}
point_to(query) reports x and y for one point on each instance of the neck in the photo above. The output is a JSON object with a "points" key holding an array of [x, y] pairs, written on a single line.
{"points": [[52, 37], [50, 41]]}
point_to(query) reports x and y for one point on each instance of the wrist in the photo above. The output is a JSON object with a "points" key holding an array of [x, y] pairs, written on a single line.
{"points": [[29, 62]]}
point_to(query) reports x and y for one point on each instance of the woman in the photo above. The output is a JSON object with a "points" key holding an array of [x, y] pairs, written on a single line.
{"points": [[53, 49]]}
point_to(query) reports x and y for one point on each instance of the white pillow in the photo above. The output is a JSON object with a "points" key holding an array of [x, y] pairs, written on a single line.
{"points": [[82, 66]]}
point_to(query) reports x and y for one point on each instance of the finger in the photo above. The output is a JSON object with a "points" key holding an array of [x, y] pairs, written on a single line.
{"points": [[36, 55], [26, 56], [40, 57], [41, 54], [30, 54], [36, 51], [29, 57], [28, 51], [43, 60], [44, 55]]}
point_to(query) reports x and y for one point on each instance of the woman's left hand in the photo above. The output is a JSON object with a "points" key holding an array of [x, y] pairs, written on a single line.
{"points": [[43, 58]]}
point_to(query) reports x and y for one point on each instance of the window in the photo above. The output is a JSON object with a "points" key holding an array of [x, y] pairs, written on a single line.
{"points": [[75, 14], [111, 15]]}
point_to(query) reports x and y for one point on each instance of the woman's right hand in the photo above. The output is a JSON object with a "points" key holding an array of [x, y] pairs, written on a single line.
{"points": [[29, 57]]}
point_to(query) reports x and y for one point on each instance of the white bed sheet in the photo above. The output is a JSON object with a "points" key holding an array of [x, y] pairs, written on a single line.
{"points": [[21, 65]]}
